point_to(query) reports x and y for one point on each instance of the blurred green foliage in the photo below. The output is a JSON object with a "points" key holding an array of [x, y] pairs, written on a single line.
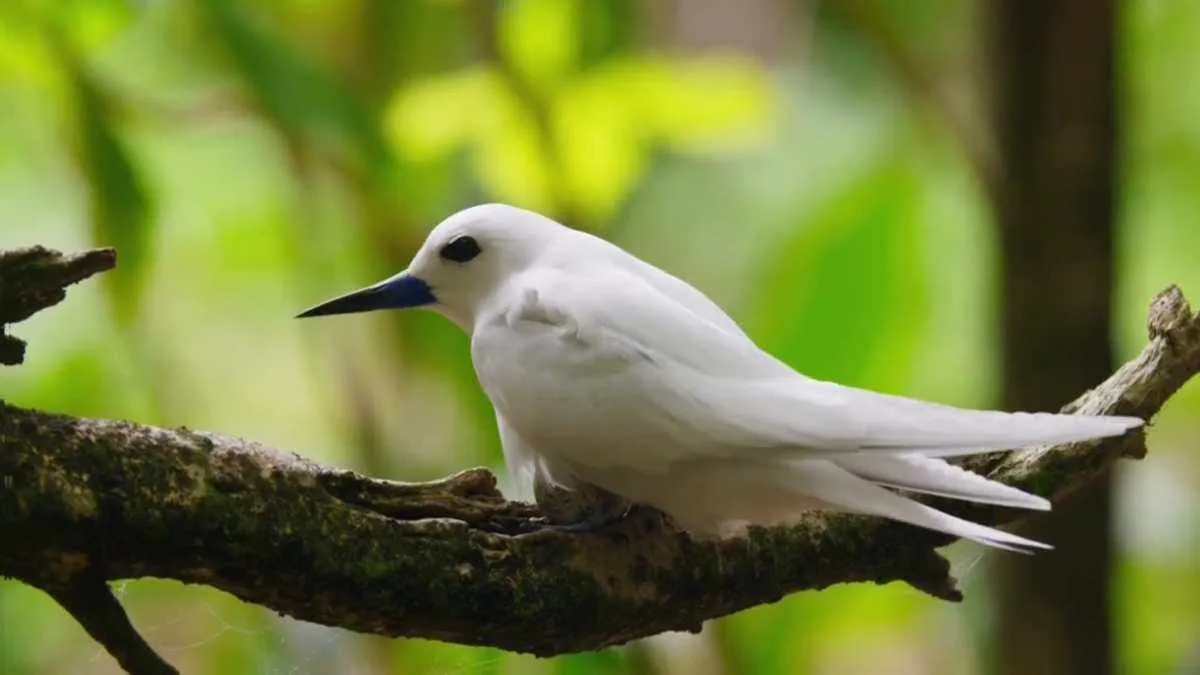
{"points": [[250, 158]]}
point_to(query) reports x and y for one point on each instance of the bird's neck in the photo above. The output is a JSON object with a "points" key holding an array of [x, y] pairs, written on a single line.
{"points": [[463, 319]]}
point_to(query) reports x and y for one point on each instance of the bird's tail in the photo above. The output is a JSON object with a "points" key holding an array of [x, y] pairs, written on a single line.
{"points": [[907, 425], [853, 487], [932, 476]]}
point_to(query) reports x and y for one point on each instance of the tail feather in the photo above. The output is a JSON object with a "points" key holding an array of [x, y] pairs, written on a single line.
{"points": [[973, 429], [935, 430], [842, 490], [931, 476]]}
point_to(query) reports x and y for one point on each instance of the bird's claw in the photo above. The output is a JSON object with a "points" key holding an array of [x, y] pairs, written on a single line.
{"points": [[595, 522]]}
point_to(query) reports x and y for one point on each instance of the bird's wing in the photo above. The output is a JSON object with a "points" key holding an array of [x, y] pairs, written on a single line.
{"points": [[603, 356], [598, 354], [669, 285]]}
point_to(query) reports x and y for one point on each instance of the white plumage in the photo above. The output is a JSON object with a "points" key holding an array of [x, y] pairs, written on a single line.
{"points": [[606, 370]]}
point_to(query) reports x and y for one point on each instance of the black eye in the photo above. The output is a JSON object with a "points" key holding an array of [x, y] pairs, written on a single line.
{"points": [[460, 250]]}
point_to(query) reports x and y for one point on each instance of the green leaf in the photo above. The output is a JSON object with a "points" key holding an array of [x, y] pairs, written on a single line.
{"points": [[604, 147], [92, 24], [608, 27], [296, 93], [606, 123], [841, 299], [439, 115], [541, 39], [474, 110], [25, 57], [704, 104], [609, 121], [120, 205]]}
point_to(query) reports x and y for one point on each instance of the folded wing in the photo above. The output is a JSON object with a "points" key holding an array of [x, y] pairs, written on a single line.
{"points": [[720, 395]]}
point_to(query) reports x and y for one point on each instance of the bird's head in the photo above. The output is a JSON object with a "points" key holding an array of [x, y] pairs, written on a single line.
{"points": [[462, 262]]}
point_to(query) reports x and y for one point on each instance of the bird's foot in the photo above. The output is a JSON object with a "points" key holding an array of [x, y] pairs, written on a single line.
{"points": [[639, 517], [588, 509], [583, 506], [589, 515], [593, 523]]}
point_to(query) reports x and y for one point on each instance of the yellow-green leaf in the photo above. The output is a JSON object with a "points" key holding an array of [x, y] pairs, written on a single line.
{"points": [[119, 202], [540, 38]]}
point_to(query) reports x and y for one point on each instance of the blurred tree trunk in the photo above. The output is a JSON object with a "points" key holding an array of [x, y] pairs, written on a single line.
{"points": [[1053, 101]]}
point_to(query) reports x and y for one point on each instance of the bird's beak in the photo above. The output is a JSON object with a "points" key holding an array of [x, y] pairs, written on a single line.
{"points": [[398, 292]]}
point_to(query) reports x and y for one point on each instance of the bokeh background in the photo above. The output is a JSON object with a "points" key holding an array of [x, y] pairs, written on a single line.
{"points": [[971, 201]]}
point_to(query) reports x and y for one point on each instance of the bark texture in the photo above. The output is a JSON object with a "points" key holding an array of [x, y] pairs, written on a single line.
{"points": [[86, 501]]}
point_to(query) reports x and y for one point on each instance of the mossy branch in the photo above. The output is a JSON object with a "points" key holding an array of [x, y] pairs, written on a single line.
{"points": [[32, 279], [452, 559]]}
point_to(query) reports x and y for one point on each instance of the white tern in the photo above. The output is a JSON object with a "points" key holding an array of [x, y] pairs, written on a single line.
{"points": [[606, 371]]}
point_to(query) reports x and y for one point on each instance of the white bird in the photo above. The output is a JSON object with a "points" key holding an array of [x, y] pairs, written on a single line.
{"points": [[606, 371]]}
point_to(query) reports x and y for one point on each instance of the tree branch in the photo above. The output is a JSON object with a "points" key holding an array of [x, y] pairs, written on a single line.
{"points": [[451, 559], [88, 598], [32, 279]]}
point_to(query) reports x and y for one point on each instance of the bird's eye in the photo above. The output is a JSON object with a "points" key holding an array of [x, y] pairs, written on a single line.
{"points": [[460, 249]]}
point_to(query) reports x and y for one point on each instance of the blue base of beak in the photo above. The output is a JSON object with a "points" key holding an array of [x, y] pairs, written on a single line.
{"points": [[398, 292]]}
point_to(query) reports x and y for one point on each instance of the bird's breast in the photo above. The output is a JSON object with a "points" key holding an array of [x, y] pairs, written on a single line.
{"points": [[565, 397]]}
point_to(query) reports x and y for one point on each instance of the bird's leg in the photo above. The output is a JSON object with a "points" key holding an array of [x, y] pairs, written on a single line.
{"points": [[583, 507]]}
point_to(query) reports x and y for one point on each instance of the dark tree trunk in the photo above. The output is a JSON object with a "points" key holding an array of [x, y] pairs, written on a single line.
{"points": [[1053, 68]]}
